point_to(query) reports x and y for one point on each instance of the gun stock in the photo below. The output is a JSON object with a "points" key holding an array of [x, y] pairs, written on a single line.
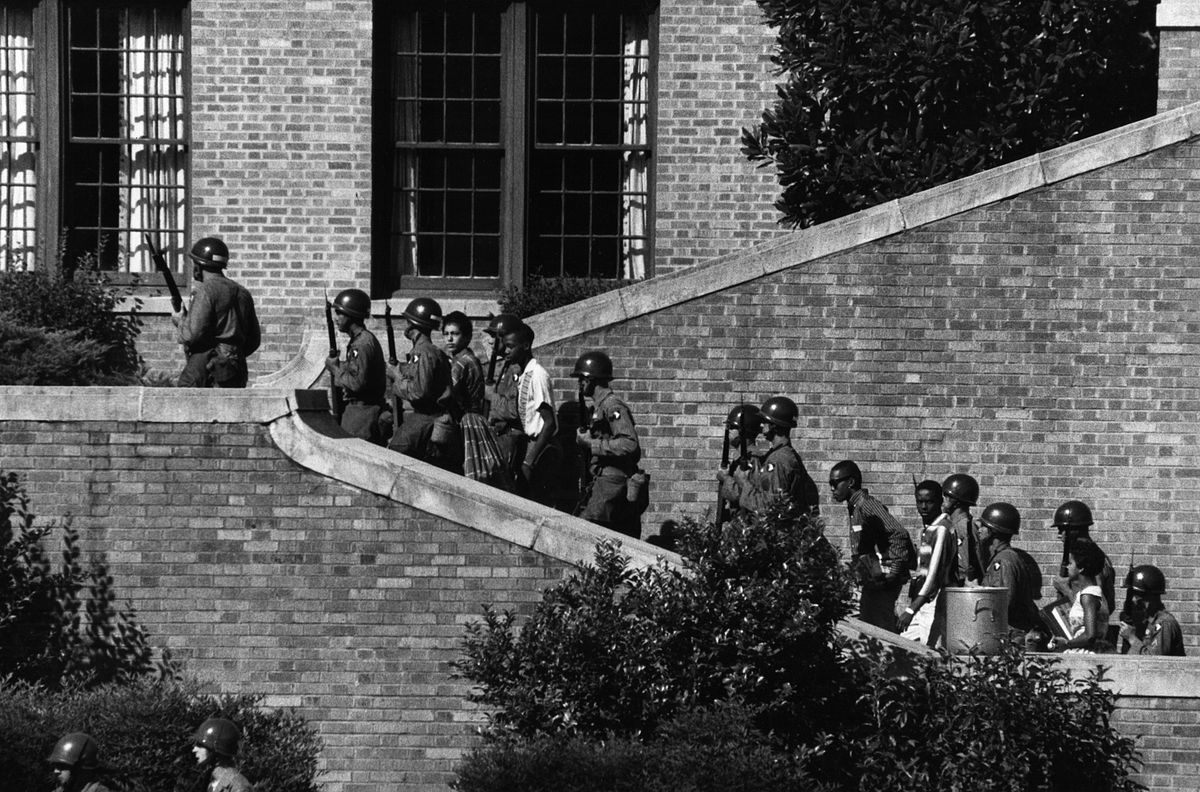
{"points": [[722, 506], [335, 393], [393, 399], [160, 264]]}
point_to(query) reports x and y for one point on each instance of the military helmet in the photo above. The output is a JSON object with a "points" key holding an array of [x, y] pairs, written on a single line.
{"points": [[962, 488], [595, 365], [218, 735], [745, 418], [502, 324], [1001, 518], [781, 411], [210, 253], [75, 750], [1147, 579], [353, 302], [1072, 514], [425, 313]]}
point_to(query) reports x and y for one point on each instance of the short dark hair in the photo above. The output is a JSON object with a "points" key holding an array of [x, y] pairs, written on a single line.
{"points": [[929, 485], [1088, 556], [847, 468], [459, 319], [523, 333]]}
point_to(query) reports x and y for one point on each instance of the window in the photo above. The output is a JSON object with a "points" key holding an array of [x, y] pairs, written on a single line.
{"points": [[516, 141], [93, 137]]}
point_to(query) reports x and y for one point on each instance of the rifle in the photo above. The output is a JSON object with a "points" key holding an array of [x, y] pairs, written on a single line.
{"points": [[1126, 614], [585, 421], [397, 406], [160, 264], [497, 342], [722, 506], [335, 393]]}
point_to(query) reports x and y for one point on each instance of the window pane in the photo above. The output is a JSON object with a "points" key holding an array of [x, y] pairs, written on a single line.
{"points": [[18, 138]]}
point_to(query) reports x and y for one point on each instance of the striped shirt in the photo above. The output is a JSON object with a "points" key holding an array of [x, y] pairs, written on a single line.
{"points": [[873, 529]]}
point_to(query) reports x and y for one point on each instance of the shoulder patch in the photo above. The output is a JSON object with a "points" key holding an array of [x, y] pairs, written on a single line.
{"points": [[616, 416], [996, 565], [353, 353], [770, 466]]}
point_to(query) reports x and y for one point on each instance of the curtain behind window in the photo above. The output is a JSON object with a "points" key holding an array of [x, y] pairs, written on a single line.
{"points": [[18, 136], [635, 193]]}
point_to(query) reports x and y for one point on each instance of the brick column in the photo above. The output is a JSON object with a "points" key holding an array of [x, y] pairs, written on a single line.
{"points": [[1178, 53]]}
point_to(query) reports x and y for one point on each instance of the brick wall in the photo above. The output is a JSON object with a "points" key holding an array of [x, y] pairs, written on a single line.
{"points": [[1046, 343], [1167, 730], [1178, 53], [264, 577]]}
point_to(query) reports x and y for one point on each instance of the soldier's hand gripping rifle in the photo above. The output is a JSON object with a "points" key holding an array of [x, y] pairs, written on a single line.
{"points": [[722, 505], [160, 264], [394, 400], [335, 393], [585, 474]]}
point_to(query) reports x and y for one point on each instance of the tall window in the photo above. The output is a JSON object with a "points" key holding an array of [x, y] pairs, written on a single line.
{"points": [[518, 140], [94, 133]]}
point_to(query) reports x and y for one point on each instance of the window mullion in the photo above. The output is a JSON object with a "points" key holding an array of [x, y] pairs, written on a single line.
{"points": [[514, 126]]}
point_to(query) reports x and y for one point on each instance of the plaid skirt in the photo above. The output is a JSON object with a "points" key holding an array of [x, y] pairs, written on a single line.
{"points": [[482, 458]]}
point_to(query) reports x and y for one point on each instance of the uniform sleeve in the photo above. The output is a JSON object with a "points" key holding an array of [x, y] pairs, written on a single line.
{"points": [[200, 322], [352, 376], [1167, 641], [773, 477], [622, 442], [251, 328], [418, 379]]}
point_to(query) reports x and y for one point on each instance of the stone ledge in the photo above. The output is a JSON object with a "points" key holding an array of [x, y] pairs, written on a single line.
{"points": [[1178, 14], [878, 222], [149, 405]]}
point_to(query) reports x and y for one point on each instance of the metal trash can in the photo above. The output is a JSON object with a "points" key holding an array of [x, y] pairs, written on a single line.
{"points": [[976, 617]]}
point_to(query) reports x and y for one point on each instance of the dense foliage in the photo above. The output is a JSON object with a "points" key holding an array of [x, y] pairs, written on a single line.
{"points": [[61, 626], [144, 731], [884, 98], [737, 655], [545, 294], [61, 329]]}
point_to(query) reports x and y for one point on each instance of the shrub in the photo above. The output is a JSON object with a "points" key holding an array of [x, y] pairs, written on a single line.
{"points": [[61, 627], [544, 294], [886, 98], [56, 329], [144, 731]]}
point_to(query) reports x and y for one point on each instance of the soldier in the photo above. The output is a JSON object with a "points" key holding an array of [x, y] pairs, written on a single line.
{"points": [[937, 568], [215, 745], [960, 493], [780, 471], [219, 329], [1151, 629], [523, 418], [75, 764], [742, 427], [363, 377], [482, 458], [882, 550], [1011, 568], [611, 444], [1073, 520], [424, 383]]}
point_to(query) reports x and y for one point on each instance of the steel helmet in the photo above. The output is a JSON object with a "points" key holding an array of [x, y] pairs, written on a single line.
{"points": [[781, 411], [1072, 514], [1147, 579], [353, 302], [595, 365], [745, 418], [425, 313], [210, 253], [961, 487], [75, 750], [502, 324], [218, 735], [1001, 518]]}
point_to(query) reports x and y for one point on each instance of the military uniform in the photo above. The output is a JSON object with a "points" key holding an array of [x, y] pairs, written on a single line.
{"points": [[614, 455], [363, 378], [219, 331], [228, 779], [1014, 569], [1162, 637], [424, 383], [779, 471], [962, 528]]}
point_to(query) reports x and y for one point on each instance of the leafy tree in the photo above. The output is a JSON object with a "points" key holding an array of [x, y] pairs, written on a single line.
{"points": [[884, 98], [61, 627]]}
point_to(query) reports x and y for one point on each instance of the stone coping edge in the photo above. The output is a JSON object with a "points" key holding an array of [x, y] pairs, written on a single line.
{"points": [[809, 244], [148, 405]]}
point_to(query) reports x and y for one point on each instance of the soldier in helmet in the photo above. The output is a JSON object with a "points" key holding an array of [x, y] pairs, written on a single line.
{"points": [[1011, 568], [522, 415], [1073, 520], [424, 383], [215, 745], [742, 428], [219, 329], [75, 763], [1149, 627], [363, 376], [881, 548], [780, 470], [610, 442], [960, 492]]}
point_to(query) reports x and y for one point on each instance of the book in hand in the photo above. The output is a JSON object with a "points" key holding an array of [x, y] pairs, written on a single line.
{"points": [[868, 568]]}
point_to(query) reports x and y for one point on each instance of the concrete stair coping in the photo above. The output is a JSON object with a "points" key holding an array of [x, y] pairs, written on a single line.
{"points": [[878, 222]]}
